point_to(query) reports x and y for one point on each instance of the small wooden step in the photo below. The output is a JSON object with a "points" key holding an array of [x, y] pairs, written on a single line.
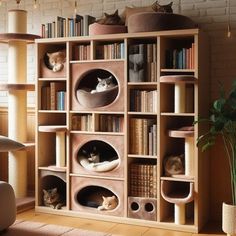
{"points": [[24, 203]]}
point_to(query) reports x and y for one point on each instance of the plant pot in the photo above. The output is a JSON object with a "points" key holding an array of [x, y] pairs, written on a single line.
{"points": [[229, 219]]}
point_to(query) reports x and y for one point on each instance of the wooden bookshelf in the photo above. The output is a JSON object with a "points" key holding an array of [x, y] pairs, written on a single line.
{"points": [[115, 134]]}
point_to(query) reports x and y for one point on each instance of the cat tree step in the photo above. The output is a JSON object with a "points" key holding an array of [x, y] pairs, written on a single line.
{"points": [[52, 128], [11, 87], [8, 37], [177, 78]]}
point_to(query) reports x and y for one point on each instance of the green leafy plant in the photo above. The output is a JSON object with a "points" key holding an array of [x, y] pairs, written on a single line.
{"points": [[222, 122]]}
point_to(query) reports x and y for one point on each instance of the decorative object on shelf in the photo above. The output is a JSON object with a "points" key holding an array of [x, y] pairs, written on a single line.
{"points": [[179, 198], [156, 21], [222, 122], [109, 203], [52, 198], [110, 19], [98, 29], [92, 100], [55, 60], [174, 165]]}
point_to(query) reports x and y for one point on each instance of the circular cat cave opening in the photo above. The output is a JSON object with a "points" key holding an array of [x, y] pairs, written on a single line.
{"points": [[96, 88], [98, 156], [92, 196]]}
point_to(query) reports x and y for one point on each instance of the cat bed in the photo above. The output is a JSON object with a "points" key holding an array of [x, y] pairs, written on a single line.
{"points": [[96, 29], [99, 99], [156, 21], [98, 167]]}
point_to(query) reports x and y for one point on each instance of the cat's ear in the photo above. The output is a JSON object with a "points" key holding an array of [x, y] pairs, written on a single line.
{"points": [[44, 191], [106, 15], [116, 12], [170, 4], [104, 198], [54, 190], [48, 54], [99, 79]]}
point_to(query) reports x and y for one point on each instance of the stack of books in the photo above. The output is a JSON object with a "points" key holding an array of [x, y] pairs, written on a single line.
{"points": [[143, 136], [82, 122], [110, 51], [111, 123], [67, 27], [143, 180]]}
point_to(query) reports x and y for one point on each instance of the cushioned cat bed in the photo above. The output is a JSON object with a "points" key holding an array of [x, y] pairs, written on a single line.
{"points": [[99, 99], [98, 167], [96, 28], [155, 21]]}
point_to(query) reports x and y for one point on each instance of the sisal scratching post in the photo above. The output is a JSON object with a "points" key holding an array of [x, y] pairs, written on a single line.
{"points": [[189, 155], [180, 97], [179, 214], [17, 113], [60, 149]]}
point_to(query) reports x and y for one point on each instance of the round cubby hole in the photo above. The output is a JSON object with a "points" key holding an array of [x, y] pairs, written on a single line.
{"points": [[92, 196], [98, 156], [85, 89], [51, 182]]}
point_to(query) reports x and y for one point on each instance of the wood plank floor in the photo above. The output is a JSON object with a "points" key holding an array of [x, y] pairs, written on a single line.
{"points": [[115, 229]]}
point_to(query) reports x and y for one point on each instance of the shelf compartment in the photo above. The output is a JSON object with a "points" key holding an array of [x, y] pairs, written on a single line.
{"points": [[82, 122], [86, 196], [142, 208], [179, 194], [52, 118], [142, 178], [109, 149], [85, 79], [49, 180], [177, 97], [81, 51]]}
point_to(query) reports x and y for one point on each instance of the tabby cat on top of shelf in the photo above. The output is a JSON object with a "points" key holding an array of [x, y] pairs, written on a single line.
{"points": [[167, 8], [104, 84], [111, 19], [52, 198]]}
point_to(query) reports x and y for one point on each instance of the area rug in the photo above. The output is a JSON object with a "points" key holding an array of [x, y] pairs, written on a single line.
{"points": [[29, 228]]}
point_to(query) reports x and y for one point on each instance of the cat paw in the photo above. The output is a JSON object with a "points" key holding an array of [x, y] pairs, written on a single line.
{"points": [[100, 208]]}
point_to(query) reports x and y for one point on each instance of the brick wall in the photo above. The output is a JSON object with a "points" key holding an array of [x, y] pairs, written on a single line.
{"points": [[211, 15]]}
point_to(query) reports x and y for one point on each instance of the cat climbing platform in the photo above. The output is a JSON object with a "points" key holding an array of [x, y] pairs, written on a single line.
{"points": [[17, 40]]}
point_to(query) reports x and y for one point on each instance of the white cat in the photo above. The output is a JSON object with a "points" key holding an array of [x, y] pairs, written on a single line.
{"points": [[104, 84]]}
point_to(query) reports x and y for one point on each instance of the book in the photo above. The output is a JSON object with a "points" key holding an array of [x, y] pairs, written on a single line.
{"points": [[87, 21], [54, 88]]}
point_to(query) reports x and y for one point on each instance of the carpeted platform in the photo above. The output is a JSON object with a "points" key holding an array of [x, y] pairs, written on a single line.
{"points": [[29, 228]]}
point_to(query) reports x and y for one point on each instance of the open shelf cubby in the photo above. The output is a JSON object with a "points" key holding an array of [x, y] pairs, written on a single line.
{"points": [[116, 142]]}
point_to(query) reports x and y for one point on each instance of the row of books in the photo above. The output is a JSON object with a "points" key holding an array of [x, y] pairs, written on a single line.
{"points": [[82, 122], [110, 51], [142, 62], [143, 180], [143, 136], [182, 58], [53, 96], [67, 27], [111, 123], [82, 52], [143, 100]]}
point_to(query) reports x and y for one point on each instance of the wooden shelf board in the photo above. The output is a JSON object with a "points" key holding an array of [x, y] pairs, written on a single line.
{"points": [[181, 133], [176, 114], [96, 176], [179, 178], [52, 128], [98, 112], [97, 132], [9, 37], [10, 87], [142, 83], [52, 79], [142, 156], [51, 111], [178, 70], [96, 60], [54, 168], [178, 79], [142, 113]]}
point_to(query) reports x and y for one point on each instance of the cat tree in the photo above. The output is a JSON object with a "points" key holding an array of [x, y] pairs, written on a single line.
{"points": [[17, 88]]}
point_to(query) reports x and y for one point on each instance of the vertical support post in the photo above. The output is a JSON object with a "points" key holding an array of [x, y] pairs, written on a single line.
{"points": [[189, 155], [60, 149], [179, 98], [180, 214], [17, 113]]}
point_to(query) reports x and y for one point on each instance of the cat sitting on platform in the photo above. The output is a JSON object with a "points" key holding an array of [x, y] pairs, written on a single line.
{"points": [[111, 19], [109, 203]]}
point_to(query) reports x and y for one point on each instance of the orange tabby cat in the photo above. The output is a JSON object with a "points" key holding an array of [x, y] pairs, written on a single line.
{"points": [[56, 60], [109, 203]]}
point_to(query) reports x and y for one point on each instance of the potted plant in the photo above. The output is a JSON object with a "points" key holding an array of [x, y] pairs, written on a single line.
{"points": [[222, 122]]}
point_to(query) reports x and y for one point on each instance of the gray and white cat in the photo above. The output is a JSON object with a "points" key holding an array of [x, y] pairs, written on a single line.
{"points": [[104, 84], [174, 165], [53, 199], [109, 203]]}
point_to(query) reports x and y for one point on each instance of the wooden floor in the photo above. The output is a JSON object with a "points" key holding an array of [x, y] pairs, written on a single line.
{"points": [[113, 228]]}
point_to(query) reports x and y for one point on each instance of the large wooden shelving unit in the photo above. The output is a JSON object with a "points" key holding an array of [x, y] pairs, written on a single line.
{"points": [[61, 167]]}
